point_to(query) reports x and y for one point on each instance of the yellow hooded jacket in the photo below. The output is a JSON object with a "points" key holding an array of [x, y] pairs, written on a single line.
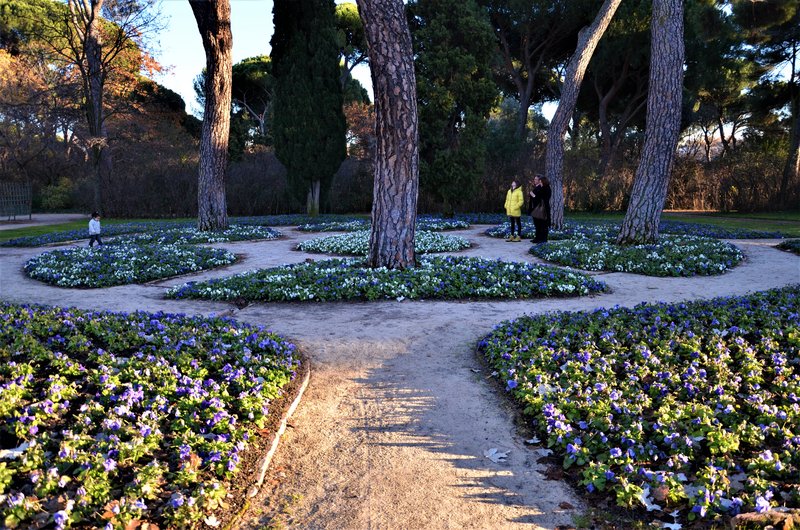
{"points": [[514, 202]]}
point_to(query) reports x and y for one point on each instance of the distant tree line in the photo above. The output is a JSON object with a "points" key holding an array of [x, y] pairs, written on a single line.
{"points": [[89, 129]]}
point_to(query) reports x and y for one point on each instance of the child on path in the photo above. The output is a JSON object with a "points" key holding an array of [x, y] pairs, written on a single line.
{"points": [[94, 230], [514, 202]]}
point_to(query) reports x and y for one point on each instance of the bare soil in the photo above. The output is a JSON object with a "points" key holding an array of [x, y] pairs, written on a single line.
{"points": [[392, 430]]}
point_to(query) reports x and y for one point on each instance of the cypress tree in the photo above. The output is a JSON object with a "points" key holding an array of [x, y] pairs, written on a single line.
{"points": [[309, 126]]}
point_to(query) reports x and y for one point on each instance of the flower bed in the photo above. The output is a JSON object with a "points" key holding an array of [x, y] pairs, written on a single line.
{"points": [[112, 418], [607, 229], [190, 235], [791, 245], [423, 223], [694, 407], [441, 277], [335, 226], [357, 243], [121, 264], [671, 256], [569, 231]]}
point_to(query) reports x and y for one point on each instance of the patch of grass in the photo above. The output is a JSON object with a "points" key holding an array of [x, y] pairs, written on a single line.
{"points": [[787, 223]]}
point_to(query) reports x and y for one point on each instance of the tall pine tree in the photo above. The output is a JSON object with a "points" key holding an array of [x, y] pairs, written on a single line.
{"points": [[454, 46], [309, 126]]}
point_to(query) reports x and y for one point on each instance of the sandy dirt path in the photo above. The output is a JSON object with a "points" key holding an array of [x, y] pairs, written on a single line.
{"points": [[392, 430]]}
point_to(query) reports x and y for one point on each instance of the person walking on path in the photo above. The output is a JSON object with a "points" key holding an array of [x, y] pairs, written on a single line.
{"points": [[540, 208], [514, 202], [94, 230]]}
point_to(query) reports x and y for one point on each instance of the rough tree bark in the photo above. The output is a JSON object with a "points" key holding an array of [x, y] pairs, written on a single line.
{"points": [[663, 125], [214, 22], [394, 202], [573, 78], [85, 21]]}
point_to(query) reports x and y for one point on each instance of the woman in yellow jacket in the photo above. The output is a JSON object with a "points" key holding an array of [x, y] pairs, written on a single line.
{"points": [[514, 202]]}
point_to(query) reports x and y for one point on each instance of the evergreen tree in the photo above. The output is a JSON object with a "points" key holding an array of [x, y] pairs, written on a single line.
{"points": [[309, 127], [454, 46]]}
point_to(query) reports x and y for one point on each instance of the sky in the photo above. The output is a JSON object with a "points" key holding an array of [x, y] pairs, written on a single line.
{"points": [[179, 49]]}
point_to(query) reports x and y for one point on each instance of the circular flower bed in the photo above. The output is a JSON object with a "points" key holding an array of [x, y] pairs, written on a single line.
{"points": [[439, 277], [671, 256], [790, 245], [357, 243], [110, 419], [120, 264], [692, 407], [423, 223], [184, 236]]}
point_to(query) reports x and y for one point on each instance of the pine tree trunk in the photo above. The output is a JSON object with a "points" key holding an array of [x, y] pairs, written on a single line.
{"points": [[214, 22], [663, 125], [394, 207], [791, 169], [85, 20], [573, 77]]}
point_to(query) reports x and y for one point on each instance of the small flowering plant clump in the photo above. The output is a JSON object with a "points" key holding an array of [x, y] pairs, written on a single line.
{"points": [[670, 256], [440, 277], [120, 264], [790, 245], [357, 243], [694, 407], [108, 419], [191, 235]]}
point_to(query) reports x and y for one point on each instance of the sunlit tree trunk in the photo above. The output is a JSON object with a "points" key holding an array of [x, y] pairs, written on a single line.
{"points": [[663, 125], [85, 21], [394, 206], [573, 77], [214, 22]]}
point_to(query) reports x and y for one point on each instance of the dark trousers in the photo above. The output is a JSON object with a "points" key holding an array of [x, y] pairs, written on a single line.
{"points": [[93, 238], [516, 221], [542, 229]]}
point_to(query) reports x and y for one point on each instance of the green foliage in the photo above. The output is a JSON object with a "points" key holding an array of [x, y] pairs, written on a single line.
{"points": [[253, 89], [309, 126], [453, 42], [57, 196], [350, 35]]}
